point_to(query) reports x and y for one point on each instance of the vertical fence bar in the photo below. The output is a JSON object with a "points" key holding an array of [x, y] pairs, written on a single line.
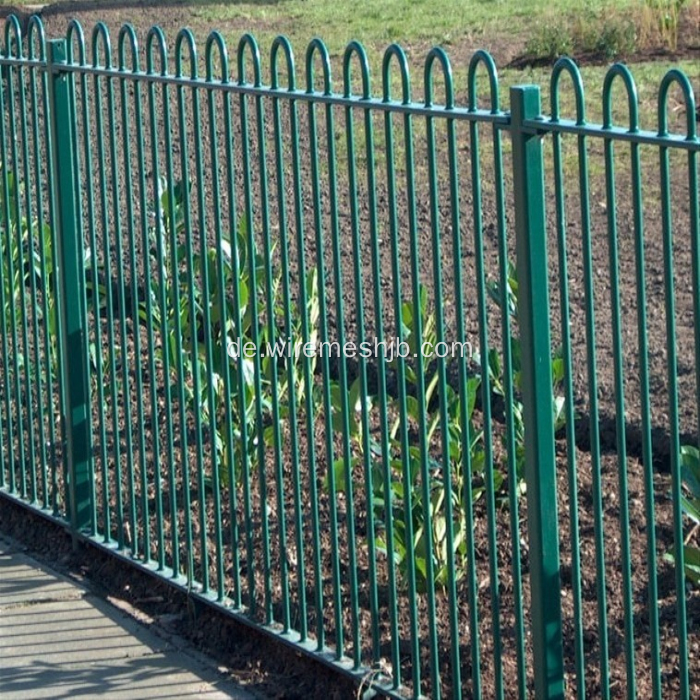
{"points": [[72, 282], [540, 464]]}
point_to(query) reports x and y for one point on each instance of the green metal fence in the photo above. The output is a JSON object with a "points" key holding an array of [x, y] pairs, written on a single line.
{"points": [[459, 522]]}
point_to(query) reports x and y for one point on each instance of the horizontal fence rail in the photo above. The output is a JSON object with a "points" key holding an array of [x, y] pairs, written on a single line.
{"points": [[451, 507]]}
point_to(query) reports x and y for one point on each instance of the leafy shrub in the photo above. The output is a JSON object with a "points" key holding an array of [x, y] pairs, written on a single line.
{"points": [[550, 40], [665, 17], [245, 274], [398, 490], [26, 258]]}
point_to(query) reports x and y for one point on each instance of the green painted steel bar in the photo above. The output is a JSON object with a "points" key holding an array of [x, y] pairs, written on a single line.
{"points": [[215, 41], [509, 394], [420, 388], [208, 362], [29, 306], [285, 551], [672, 369], [489, 466], [36, 47], [7, 277], [282, 45], [140, 545], [7, 440], [100, 36], [376, 104], [616, 133], [16, 267], [267, 272], [647, 450], [566, 65], [593, 406], [56, 316], [190, 335], [36, 37], [378, 308], [127, 516], [74, 36], [129, 42], [273, 337], [355, 48], [177, 302], [345, 450], [316, 46], [206, 283], [236, 222], [304, 292], [155, 43], [439, 56], [144, 206], [82, 300], [79, 438], [257, 442], [540, 463], [395, 52], [618, 351], [672, 376], [161, 312]]}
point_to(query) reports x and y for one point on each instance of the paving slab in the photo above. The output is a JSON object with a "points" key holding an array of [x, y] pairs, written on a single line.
{"points": [[59, 640]]}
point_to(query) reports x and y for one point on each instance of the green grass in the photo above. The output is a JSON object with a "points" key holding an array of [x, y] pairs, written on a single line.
{"points": [[378, 23]]}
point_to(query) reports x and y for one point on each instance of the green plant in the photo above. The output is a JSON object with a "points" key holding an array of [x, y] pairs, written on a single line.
{"points": [[690, 504], [400, 495], [240, 321], [550, 40], [666, 16], [26, 256], [617, 36]]}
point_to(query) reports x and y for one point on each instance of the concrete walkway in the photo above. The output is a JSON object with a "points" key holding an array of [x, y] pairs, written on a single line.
{"points": [[58, 640]]}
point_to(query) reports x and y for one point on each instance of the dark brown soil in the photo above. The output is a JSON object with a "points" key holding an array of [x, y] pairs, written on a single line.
{"points": [[278, 677]]}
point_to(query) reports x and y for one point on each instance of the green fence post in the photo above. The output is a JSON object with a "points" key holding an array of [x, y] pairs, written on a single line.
{"points": [[72, 305], [540, 465]]}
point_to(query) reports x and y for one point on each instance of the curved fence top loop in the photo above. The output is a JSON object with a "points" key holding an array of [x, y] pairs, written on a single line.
{"points": [[394, 50], [248, 40], [156, 36], [485, 58], [566, 65], [675, 75], [185, 36], [317, 46], [282, 43], [355, 48], [128, 33], [441, 56], [216, 41], [100, 34], [75, 35], [13, 35], [37, 35], [632, 100]]}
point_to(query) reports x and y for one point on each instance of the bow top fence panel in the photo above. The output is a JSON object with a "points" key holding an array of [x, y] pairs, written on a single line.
{"points": [[407, 382]]}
